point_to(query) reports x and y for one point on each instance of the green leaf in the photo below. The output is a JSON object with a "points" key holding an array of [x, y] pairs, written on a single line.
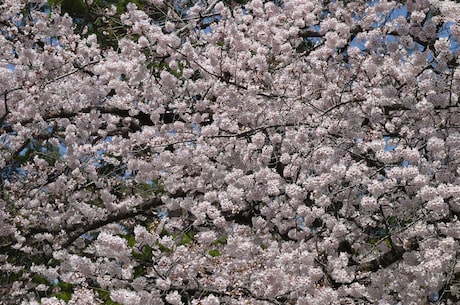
{"points": [[75, 8], [65, 296], [214, 253], [393, 221], [164, 248], [186, 239], [144, 256], [65, 292], [164, 232], [373, 241], [220, 241], [131, 239], [388, 242], [139, 270], [65, 286], [40, 279], [105, 296]]}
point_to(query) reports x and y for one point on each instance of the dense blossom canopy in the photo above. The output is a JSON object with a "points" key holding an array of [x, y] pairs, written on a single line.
{"points": [[220, 152]]}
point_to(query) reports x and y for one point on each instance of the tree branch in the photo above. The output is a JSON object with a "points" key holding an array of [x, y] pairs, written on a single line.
{"points": [[75, 231]]}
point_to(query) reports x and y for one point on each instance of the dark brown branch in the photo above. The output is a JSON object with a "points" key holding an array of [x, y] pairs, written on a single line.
{"points": [[75, 231], [383, 261], [235, 292], [143, 118], [5, 102]]}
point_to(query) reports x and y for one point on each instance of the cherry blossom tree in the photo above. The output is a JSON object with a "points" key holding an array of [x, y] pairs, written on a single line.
{"points": [[218, 152]]}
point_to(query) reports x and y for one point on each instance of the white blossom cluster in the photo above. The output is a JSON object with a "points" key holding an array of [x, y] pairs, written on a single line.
{"points": [[230, 152]]}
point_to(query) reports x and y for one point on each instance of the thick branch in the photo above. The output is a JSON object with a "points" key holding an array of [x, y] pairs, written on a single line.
{"points": [[75, 231], [383, 261]]}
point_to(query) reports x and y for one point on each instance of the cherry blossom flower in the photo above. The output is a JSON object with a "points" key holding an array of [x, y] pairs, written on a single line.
{"points": [[214, 152]]}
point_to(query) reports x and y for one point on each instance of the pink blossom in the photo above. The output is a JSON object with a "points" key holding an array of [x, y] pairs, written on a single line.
{"points": [[210, 300], [174, 298], [369, 204], [112, 246], [125, 297], [219, 152]]}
